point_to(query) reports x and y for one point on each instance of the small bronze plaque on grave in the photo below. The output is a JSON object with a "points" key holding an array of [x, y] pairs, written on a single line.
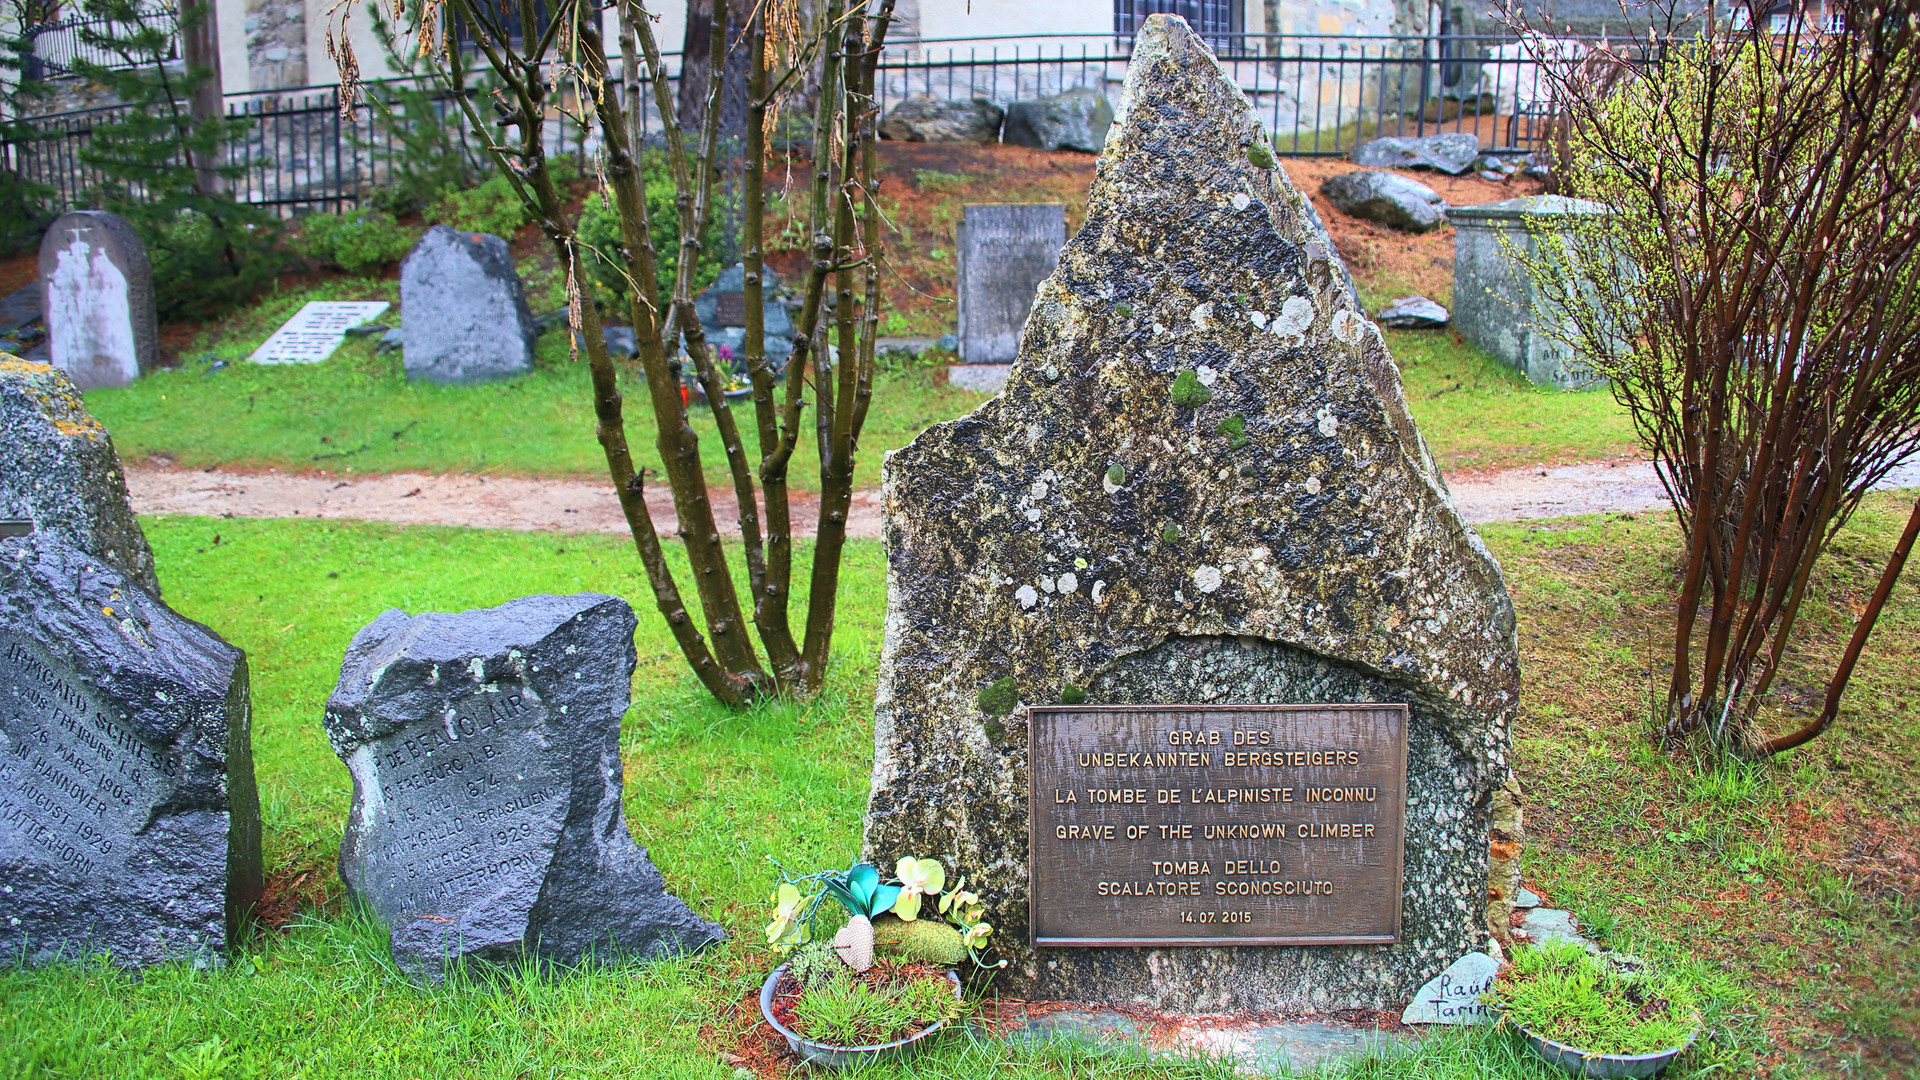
{"points": [[1154, 825], [730, 309]]}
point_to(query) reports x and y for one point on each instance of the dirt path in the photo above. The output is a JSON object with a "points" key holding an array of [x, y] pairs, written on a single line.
{"points": [[511, 502], [487, 502]]}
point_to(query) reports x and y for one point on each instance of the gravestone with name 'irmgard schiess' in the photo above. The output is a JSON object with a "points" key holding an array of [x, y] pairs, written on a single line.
{"points": [[486, 824], [1201, 486], [129, 822]]}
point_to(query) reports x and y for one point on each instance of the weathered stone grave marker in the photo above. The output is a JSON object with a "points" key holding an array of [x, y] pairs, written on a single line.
{"points": [[722, 310], [316, 330], [463, 311], [1005, 252], [486, 820], [98, 302], [1200, 495], [63, 475], [129, 822], [1496, 303]]}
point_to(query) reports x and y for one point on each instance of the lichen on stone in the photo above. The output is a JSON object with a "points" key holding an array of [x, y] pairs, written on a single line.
{"points": [[1328, 565]]}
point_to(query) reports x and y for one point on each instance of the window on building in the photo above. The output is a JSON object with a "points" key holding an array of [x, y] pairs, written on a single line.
{"points": [[1217, 21]]}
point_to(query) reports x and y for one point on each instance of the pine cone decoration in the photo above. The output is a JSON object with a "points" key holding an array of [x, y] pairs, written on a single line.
{"points": [[854, 943]]}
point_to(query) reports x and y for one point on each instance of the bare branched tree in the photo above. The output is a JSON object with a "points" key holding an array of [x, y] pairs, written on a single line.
{"points": [[545, 71], [1747, 280]]}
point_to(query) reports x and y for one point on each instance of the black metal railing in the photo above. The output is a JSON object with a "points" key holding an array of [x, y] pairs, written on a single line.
{"points": [[53, 48], [1318, 96]]}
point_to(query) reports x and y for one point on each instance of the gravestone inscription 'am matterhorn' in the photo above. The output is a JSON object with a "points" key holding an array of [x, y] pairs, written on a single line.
{"points": [[1201, 492], [485, 753], [129, 822]]}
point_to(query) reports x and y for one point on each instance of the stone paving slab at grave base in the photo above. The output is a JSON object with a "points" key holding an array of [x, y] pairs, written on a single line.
{"points": [[1254, 1045]]}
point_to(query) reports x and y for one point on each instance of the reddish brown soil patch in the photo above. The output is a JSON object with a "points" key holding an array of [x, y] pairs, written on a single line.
{"points": [[18, 271], [293, 890], [1387, 262]]}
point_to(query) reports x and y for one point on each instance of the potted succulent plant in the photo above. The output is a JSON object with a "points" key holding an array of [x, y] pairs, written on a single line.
{"points": [[1595, 1016], [885, 981]]}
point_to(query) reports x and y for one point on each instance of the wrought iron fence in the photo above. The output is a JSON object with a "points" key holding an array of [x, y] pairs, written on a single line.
{"points": [[52, 48], [1319, 96]]}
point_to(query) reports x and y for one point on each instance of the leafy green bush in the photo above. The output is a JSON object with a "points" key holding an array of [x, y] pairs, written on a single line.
{"points": [[599, 228], [208, 255], [492, 207], [359, 243], [24, 212], [1559, 992]]}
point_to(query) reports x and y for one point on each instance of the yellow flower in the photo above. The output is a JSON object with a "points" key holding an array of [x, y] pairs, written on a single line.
{"points": [[976, 935], [786, 928], [918, 877]]}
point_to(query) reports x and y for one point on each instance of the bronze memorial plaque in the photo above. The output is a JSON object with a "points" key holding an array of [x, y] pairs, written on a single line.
{"points": [[730, 309], [1216, 825]]}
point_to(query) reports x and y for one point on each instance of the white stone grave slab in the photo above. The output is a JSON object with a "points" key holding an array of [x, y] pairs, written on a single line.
{"points": [[316, 330]]}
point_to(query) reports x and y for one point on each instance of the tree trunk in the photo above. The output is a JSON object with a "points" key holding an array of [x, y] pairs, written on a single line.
{"points": [[694, 68], [200, 46]]}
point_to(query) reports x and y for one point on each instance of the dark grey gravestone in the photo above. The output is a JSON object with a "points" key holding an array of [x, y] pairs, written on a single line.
{"points": [[1075, 120], [62, 473], [129, 822], [463, 312], [485, 754], [1451, 152], [1496, 303], [723, 307], [1005, 252], [1201, 485], [937, 120], [98, 299], [1388, 198]]}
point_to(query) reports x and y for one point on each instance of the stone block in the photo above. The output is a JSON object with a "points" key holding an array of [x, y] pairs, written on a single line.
{"points": [[463, 311], [1200, 486], [1388, 198], [1075, 120], [98, 299], [486, 823], [1004, 252], [129, 822], [937, 120], [1497, 305], [1451, 152], [63, 475], [1412, 313]]}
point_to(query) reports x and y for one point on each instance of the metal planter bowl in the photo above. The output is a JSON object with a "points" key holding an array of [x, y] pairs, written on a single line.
{"points": [[1586, 1063], [842, 1057]]}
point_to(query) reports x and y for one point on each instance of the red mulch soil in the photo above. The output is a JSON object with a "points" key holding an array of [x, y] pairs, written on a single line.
{"points": [[19, 271]]}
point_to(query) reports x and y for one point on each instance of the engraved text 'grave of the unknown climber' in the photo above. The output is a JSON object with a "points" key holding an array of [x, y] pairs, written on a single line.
{"points": [[1209, 825]]}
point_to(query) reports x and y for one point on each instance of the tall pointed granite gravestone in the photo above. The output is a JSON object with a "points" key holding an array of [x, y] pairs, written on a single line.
{"points": [[63, 476], [1200, 498], [485, 753], [129, 821]]}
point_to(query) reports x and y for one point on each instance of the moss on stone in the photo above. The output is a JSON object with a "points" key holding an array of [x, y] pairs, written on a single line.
{"points": [[1170, 534], [1187, 391], [1072, 695], [1258, 153], [1000, 697], [1235, 429], [1117, 475]]}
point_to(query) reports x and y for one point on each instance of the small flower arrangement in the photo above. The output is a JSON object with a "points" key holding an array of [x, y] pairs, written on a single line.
{"points": [[885, 974]]}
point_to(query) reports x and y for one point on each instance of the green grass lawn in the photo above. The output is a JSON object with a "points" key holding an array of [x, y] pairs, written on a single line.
{"points": [[358, 413], [1783, 880]]}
